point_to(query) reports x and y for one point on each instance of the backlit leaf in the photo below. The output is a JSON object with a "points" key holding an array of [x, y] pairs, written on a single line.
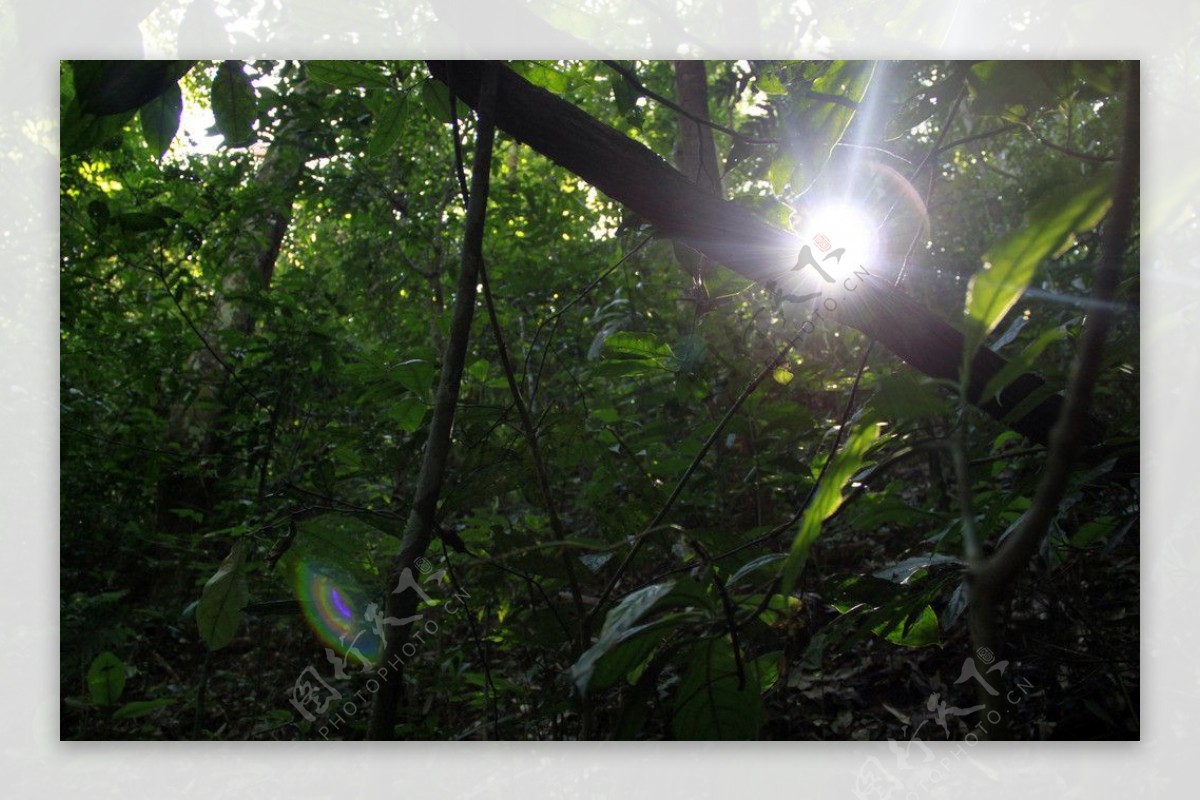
{"points": [[160, 119], [220, 611], [349, 74], [106, 678], [1050, 227], [826, 501], [233, 104]]}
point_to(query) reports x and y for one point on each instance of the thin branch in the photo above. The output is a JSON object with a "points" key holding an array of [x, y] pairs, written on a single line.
{"points": [[583, 293], [988, 581], [632, 79], [1003, 129], [489, 685], [1075, 154], [160, 274], [535, 453], [691, 469]]}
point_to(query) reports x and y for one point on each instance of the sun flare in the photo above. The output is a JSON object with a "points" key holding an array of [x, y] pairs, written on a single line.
{"points": [[837, 226]]}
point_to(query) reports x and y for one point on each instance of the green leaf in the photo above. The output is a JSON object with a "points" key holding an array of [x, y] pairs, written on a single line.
{"points": [[918, 633], [1093, 531], [625, 654], [435, 97], [1016, 89], [1103, 76], [625, 97], [82, 131], [160, 119], [901, 397], [408, 413], [627, 353], [220, 611], [769, 82], [1022, 363], [479, 370], [106, 678], [620, 624], [821, 121], [542, 74], [349, 74], [633, 606], [755, 564], [389, 125], [826, 500], [629, 345], [1049, 229], [136, 709], [767, 670], [903, 571], [710, 705], [781, 169], [234, 104], [688, 592], [416, 375], [122, 87]]}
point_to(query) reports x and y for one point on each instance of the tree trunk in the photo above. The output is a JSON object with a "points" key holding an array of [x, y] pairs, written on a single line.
{"points": [[195, 427]]}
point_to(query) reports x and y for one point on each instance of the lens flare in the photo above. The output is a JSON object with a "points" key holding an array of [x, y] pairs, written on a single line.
{"points": [[844, 225], [335, 607]]}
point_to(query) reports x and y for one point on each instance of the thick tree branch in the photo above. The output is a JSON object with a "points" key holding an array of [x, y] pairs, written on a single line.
{"points": [[732, 235]]}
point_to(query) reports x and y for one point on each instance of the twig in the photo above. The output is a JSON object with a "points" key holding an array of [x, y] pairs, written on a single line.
{"points": [[1003, 129], [687, 474], [483, 657], [632, 79], [535, 453], [1075, 154]]}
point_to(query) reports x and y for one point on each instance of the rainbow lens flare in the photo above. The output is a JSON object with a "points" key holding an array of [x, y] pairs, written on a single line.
{"points": [[335, 607]]}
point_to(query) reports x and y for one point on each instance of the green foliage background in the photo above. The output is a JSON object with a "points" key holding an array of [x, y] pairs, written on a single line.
{"points": [[217, 426]]}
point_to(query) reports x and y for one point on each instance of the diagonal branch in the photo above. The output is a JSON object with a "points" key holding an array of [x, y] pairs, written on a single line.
{"points": [[732, 235]]}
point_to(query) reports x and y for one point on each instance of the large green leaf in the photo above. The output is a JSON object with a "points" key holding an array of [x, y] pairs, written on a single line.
{"points": [[106, 678], [826, 500], [234, 104], [220, 611], [821, 121], [136, 709], [710, 704], [408, 413], [631, 345], [628, 353], [601, 667], [541, 73], [1016, 89], [121, 87], [389, 125], [160, 119], [1022, 363], [621, 623], [914, 632], [349, 74], [1049, 228], [416, 375]]}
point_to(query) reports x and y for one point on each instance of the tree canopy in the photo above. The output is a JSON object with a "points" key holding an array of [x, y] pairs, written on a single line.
{"points": [[584, 400]]}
